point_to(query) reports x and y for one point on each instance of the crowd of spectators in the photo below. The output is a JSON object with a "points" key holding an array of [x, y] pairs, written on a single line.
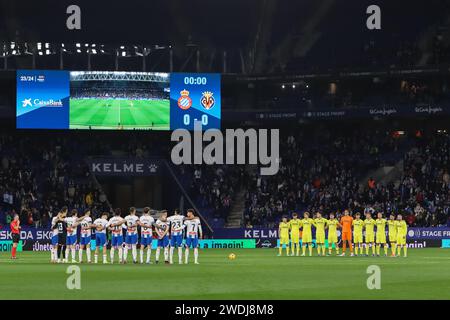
{"points": [[324, 170], [120, 90], [38, 176], [330, 178]]}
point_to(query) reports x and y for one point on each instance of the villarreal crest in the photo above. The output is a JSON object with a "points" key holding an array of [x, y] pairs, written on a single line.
{"points": [[207, 100]]}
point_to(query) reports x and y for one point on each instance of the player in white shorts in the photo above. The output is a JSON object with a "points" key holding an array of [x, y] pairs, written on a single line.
{"points": [[176, 236], [193, 233], [115, 226], [162, 230], [85, 239], [131, 238], [146, 222], [100, 225]]}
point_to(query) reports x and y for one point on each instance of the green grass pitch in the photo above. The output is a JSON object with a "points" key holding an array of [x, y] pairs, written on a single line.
{"points": [[255, 274], [108, 113]]}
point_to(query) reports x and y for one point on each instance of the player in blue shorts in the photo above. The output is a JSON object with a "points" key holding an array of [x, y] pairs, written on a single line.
{"points": [[193, 232], [146, 222], [176, 236], [100, 236], [162, 230], [85, 239], [72, 231], [131, 238], [115, 226]]}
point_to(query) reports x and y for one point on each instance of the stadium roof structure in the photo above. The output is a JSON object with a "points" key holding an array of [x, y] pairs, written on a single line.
{"points": [[118, 76]]}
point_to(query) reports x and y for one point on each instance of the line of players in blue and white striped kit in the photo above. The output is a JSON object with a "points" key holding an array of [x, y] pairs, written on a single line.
{"points": [[169, 231]]}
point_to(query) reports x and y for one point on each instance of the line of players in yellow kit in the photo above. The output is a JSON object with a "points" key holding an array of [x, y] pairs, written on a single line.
{"points": [[290, 230]]}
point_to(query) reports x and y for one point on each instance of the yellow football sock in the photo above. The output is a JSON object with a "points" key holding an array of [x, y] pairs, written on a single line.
{"points": [[356, 250], [399, 249], [287, 250], [323, 249], [303, 249], [373, 248], [337, 248], [293, 249], [367, 249], [318, 249], [385, 249], [310, 250], [280, 250], [405, 250], [393, 248], [298, 249]]}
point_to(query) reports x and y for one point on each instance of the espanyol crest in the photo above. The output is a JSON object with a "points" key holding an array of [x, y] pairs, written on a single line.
{"points": [[184, 102], [207, 100]]}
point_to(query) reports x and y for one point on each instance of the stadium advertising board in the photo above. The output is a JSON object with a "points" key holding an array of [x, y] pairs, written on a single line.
{"points": [[333, 114], [432, 233], [124, 167], [116, 100], [6, 246], [446, 243], [39, 239]]}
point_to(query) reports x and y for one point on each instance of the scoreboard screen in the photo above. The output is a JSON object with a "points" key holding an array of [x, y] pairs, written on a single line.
{"points": [[195, 97], [114, 100]]}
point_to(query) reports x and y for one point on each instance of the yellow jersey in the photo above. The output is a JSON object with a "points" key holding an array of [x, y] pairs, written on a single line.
{"points": [[358, 225], [294, 226], [306, 225], [284, 229], [319, 224], [332, 226], [401, 227], [381, 226], [369, 225], [392, 228]]}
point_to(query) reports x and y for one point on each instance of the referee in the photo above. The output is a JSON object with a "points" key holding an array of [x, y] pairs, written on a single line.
{"points": [[61, 226], [15, 232]]}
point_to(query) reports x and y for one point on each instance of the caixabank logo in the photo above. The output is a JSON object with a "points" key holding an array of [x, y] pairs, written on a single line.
{"points": [[38, 103], [42, 100]]}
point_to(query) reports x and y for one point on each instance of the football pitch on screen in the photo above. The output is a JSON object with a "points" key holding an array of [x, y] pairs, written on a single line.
{"points": [[254, 274], [119, 114]]}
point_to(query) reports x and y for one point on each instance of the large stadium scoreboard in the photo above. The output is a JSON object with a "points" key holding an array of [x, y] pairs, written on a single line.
{"points": [[194, 97], [117, 100]]}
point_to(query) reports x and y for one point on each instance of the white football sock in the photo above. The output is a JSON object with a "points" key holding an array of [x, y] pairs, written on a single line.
{"points": [[171, 254], [196, 255], [104, 257], [67, 254], [88, 254], [186, 256], [111, 254], [125, 253], [158, 250], [166, 254], [149, 254], [120, 254], [141, 254], [180, 255], [96, 258], [73, 253], [80, 255], [134, 252]]}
